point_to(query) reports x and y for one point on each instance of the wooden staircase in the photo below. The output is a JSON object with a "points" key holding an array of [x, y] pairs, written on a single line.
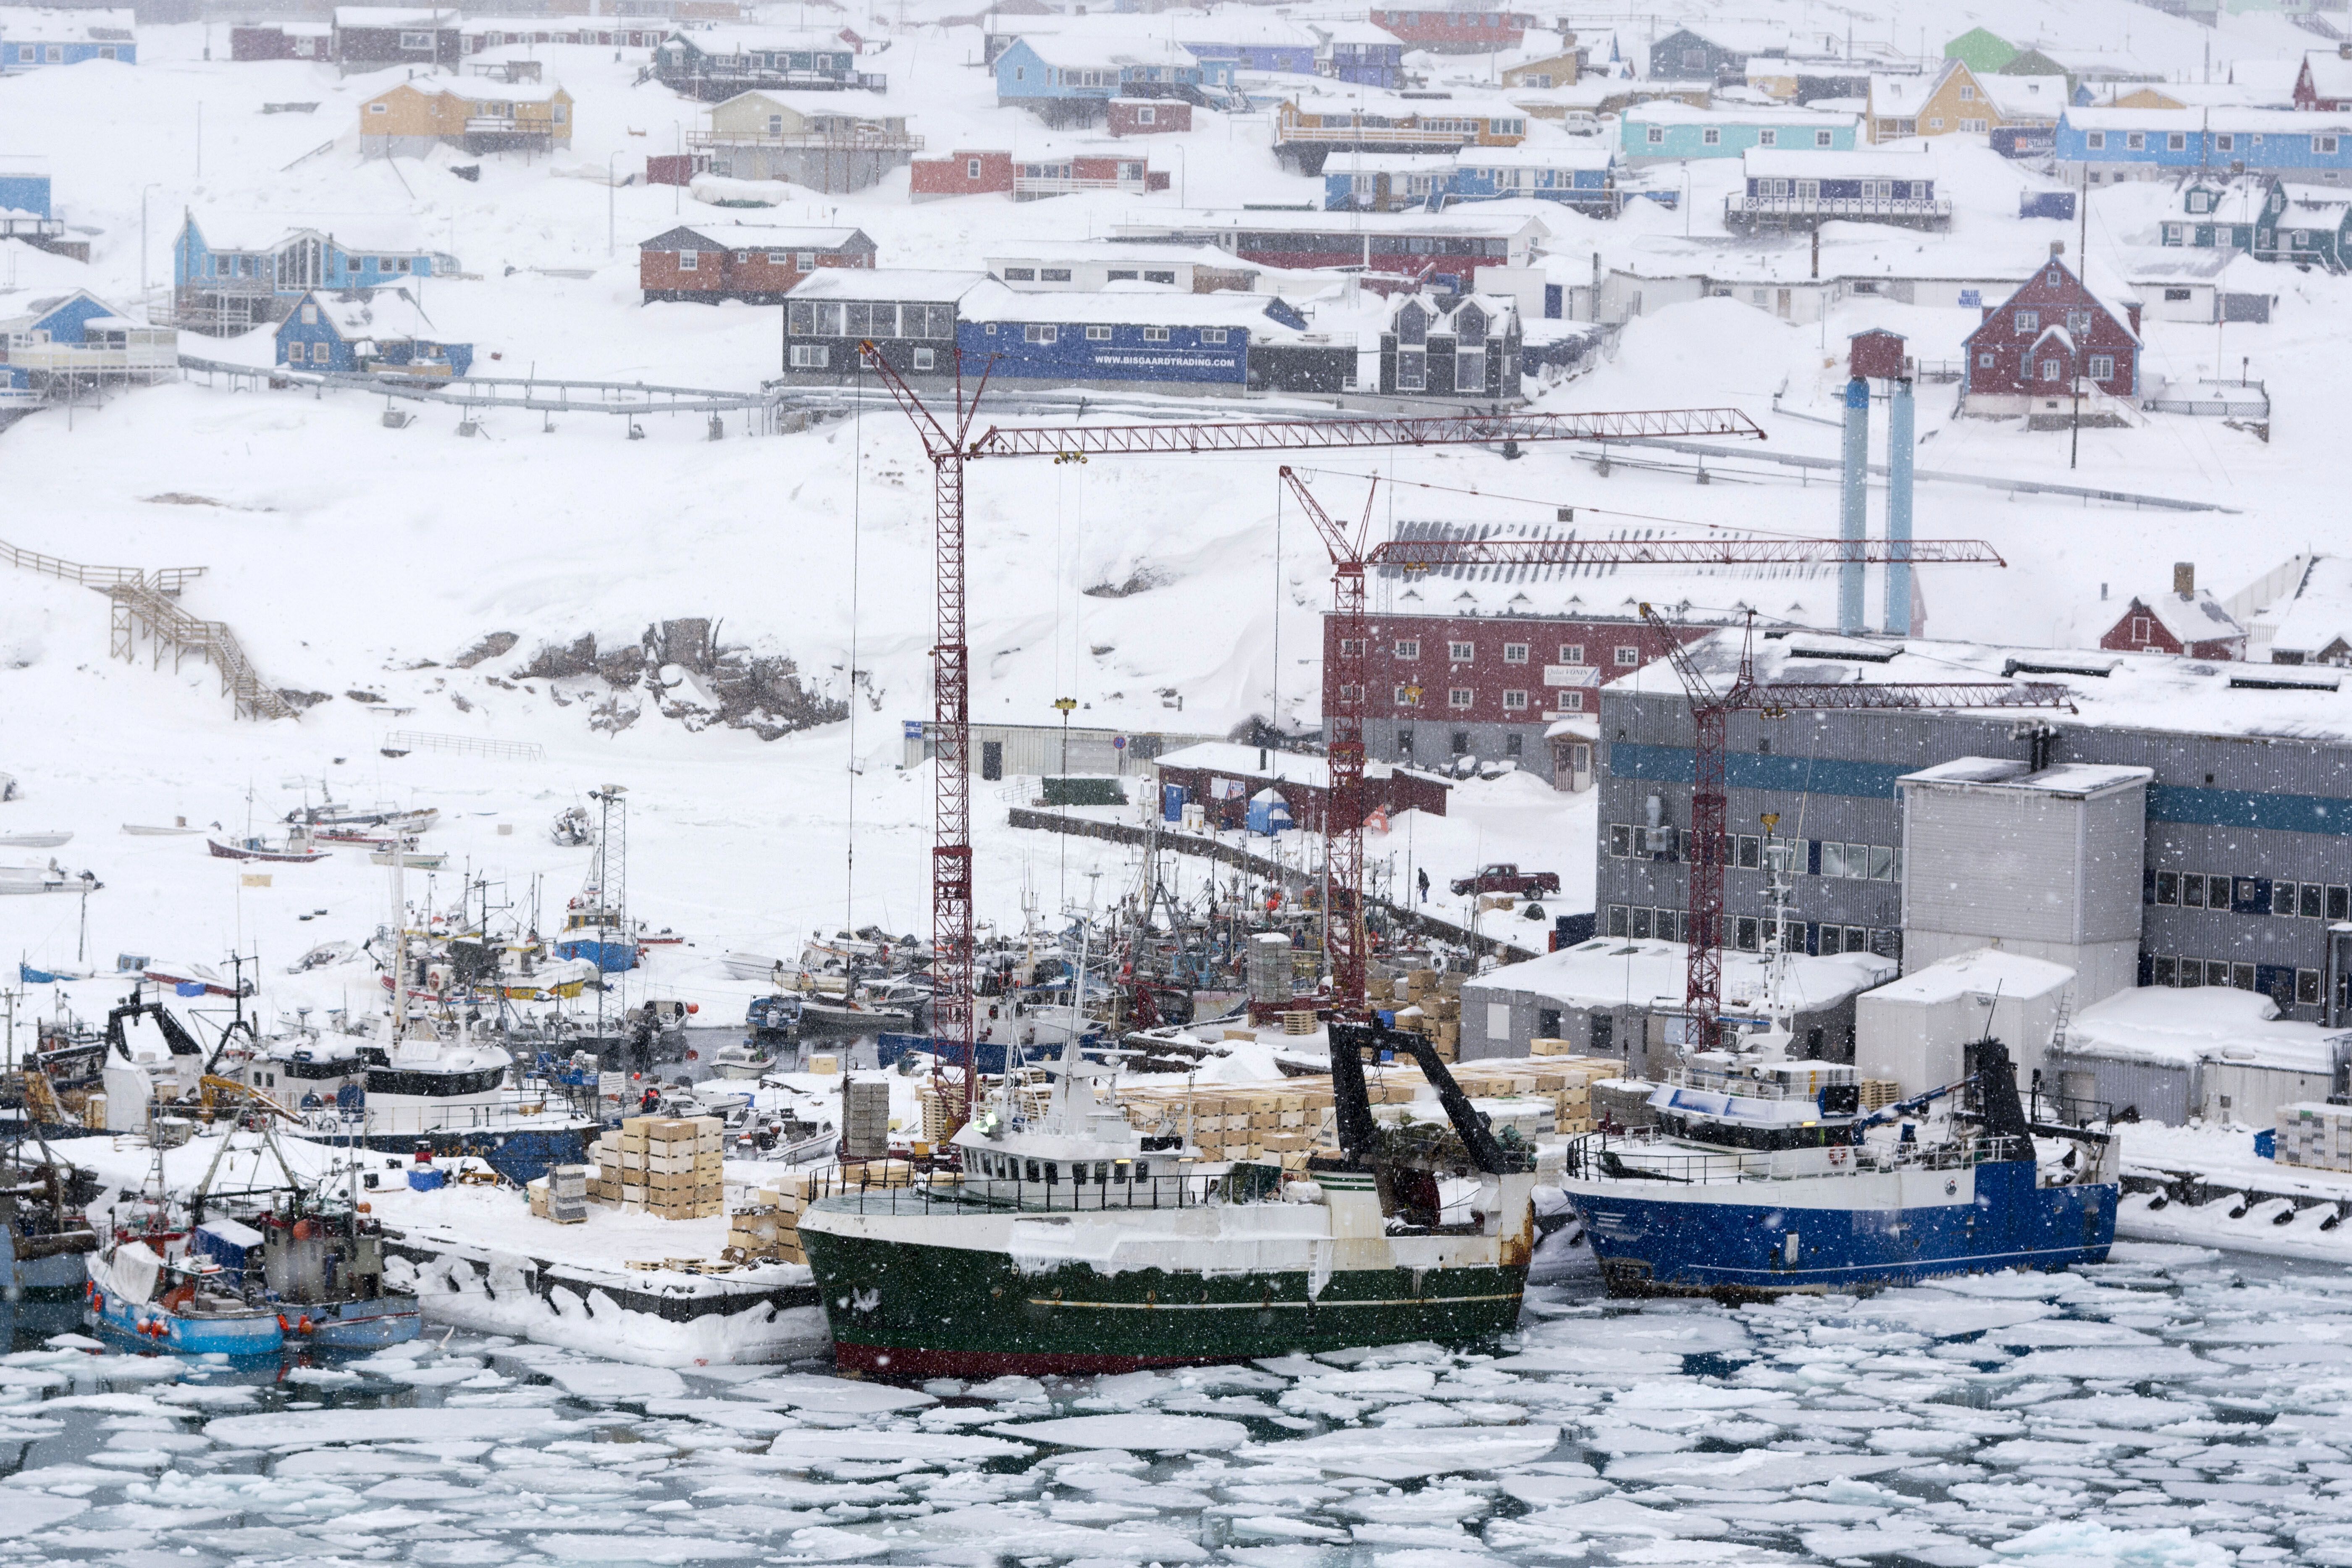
{"points": [[148, 601]]}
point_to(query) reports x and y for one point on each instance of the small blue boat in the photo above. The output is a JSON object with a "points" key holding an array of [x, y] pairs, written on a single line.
{"points": [[148, 1287], [1761, 1178]]}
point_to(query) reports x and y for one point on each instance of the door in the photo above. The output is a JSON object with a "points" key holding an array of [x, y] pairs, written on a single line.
{"points": [[1780, 305], [992, 759], [1604, 1034]]}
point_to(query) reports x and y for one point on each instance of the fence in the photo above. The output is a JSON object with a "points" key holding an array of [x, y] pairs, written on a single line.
{"points": [[401, 742], [168, 580], [1603, 1156], [1108, 1189], [536, 394]]}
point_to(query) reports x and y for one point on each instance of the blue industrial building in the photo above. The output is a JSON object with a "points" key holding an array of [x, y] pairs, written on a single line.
{"points": [[31, 40], [364, 334], [2110, 144], [1198, 342], [229, 282], [1071, 82]]}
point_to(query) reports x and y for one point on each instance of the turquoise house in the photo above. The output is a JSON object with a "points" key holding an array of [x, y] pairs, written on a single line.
{"points": [[1665, 131]]}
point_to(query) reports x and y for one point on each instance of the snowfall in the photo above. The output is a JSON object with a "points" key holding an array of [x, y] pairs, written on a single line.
{"points": [[2174, 1407]]}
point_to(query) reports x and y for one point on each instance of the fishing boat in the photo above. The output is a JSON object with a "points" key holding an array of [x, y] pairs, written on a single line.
{"points": [[1763, 1176], [297, 846], [35, 841], [49, 878], [146, 1279], [179, 829], [749, 965], [432, 860], [849, 1015], [331, 813], [1074, 1243]]}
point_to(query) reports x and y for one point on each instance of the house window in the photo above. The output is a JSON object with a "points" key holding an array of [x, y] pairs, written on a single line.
{"points": [[689, 261], [1459, 697], [1035, 333], [971, 167], [1098, 334], [1711, 136], [2029, 320], [1155, 334], [2050, 370], [1657, 135], [1820, 139], [379, 109], [2224, 143], [1020, 275], [1935, 122], [780, 259], [2325, 144], [1143, 116], [1967, 93], [923, 358], [1515, 699], [2175, 296], [807, 261], [310, 315], [1212, 334], [2140, 629], [1515, 652], [2135, 142], [416, 40], [1572, 652], [2096, 141], [1628, 657], [1572, 702], [556, 112], [1413, 370], [1158, 277], [1408, 696], [1460, 653], [1977, 126], [1054, 274], [811, 356], [2103, 366]]}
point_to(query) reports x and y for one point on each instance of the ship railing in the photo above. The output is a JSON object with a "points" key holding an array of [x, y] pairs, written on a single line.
{"points": [[945, 1193], [1741, 1085], [1642, 1156]]}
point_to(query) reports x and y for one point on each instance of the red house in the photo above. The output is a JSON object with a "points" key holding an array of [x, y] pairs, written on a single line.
{"points": [[289, 41], [2325, 81], [1456, 32], [961, 174], [756, 263], [1150, 116], [2032, 347], [2186, 620]]}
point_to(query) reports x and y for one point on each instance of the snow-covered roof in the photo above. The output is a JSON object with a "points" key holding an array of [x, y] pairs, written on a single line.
{"points": [[2208, 1023], [2160, 693], [1902, 97], [1673, 112], [1398, 162], [888, 283], [1082, 52], [1360, 34], [2199, 119], [2191, 618], [381, 314], [1791, 163], [2074, 781], [1804, 594], [1564, 153], [1983, 971], [758, 237], [1616, 971], [855, 102], [259, 233], [761, 40], [393, 17], [2319, 616], [1465, 223], [1145, 304], [1250, 762], [1127, 254], [2331, 73], [1319, 96], [2024, 98], [57, 27], [503, 92]]}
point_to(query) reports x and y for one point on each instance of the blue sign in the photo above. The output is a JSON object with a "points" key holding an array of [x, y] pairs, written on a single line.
{"points": [[914, 728]]}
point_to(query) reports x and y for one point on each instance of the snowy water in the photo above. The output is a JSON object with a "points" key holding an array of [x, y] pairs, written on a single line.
{"points": [[2172, 1407]]}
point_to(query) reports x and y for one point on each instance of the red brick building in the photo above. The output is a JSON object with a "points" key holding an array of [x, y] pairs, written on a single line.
{"points": [[2186, 620], [757, 263], [2033, 345], [961, 174], [1456, 32], [1488, 686], [1150, 116]]}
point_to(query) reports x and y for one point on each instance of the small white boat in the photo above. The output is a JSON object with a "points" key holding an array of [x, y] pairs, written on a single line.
{"points": [[33, 841], [50, 878], [432, 860], [749, 965], [148, 830]]}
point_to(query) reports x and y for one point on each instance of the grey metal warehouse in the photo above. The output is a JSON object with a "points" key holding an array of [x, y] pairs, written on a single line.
{"points": [[2244, 853]]}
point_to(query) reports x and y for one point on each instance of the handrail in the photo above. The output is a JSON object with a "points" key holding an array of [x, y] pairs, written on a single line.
{"points": [[1245, 1183], [1636, 1157]]}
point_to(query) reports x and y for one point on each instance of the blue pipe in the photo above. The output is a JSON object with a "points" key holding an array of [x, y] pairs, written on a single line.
{"points": [[1853, 512], [1899, 447]]}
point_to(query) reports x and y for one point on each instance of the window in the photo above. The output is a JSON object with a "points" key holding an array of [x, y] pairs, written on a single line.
{"points": [[1820, 139], [1408, 696], [1020, 275], [2192, 890], [1460, 696], [808, 261], [780, 259], [1515, 699], [2325, 144], [1657, 135], [1035, 333], [1155, 334], [1572, 652], [2029, 320], [1460, 653], [1098, 334], [1711, 136], [310, 315], [1627, 658], [1515, 652], [416, 40], [2103, 366], [372, 109], [2224, 143], [2139, 630], [2177, 141], [1617, 913], [2051, 370], [811, 356], [971, 167], [1744, 934], [1461, 742], [1768, 137], [1408, 648], [2096, 141], [2163, 972], [1984, 361], [1150, 276], [2168, 887], [1054, 274], [1641, 925], [1978, 126], [1572, 702], [556, 112], [690, 260], [923, 358], [1967, 93], [1212, 334]]}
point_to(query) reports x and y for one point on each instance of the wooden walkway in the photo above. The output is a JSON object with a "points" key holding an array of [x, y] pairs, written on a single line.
{"points": [[146, 603]]}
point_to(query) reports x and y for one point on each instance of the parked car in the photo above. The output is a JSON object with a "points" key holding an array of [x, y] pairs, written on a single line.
{"points": [[1503, 877]]}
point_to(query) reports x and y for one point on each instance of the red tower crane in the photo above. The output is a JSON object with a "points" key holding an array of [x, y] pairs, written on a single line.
{"points": [[1349, 682], [950, 444], [1703, 980]]}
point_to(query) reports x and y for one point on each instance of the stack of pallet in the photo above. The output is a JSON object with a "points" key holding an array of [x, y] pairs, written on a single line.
{"points": [[2312, 1133], [1877, 1094], [1564, 1083], [670, 1166], [1430, 1004], [768, 1229]]}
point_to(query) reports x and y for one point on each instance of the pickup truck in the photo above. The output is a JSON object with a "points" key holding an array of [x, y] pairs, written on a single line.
{"points": [[1506, 878]]}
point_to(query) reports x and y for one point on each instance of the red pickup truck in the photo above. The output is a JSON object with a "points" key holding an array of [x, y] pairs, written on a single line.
{"points": [[1506, 878]]}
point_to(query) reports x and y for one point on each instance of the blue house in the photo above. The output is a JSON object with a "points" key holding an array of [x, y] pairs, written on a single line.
{"points": [[1071, 82], [2110, 144], [1360, 53], [30, 40], [1581, 176], [239, 277], [1246, 43], [79, 336], [367, 334], [1804, 190], [1190, 343], [24, 189], [1664, 131]]}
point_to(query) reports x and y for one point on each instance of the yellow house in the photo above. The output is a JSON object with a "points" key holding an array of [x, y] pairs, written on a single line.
{"points": [[2147, 98], [1958, 100], [833, 116], [493, 116], [1554, 70]]}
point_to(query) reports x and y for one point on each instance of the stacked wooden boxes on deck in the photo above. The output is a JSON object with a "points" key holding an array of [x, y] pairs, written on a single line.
{"points": [[2315, 1133], [671, 1167], [1877, 1094], [1562, 1081], [767, 1229], [1430, 1004]]}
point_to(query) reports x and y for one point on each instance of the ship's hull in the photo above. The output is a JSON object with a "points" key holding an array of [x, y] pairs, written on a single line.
{"points": [[522, 1154], [1861, 1230], [358, 1325], [244, 1333], [915, 1295]]}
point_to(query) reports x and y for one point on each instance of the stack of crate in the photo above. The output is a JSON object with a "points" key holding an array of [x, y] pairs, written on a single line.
{"points": [[1877, 1094], [768, 1229], [684, 1168], [604, 1167], [939, 1111], [567, 1193], [2312, 1133]]}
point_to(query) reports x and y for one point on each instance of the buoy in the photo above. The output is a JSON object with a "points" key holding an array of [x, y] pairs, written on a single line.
{"points": [[283, 1326]]}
